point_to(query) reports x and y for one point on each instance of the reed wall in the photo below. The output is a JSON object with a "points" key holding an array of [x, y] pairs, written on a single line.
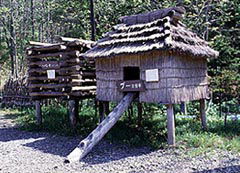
{"points": [[181, 77]]}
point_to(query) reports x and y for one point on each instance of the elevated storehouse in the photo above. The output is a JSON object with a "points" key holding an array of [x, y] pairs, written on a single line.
{"points": [[166, 62], [158, 57]]}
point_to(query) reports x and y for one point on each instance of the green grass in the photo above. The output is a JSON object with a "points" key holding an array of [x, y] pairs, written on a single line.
{"points": [[151, 131]]}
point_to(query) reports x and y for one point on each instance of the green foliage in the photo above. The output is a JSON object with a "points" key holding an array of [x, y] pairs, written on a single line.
{"points": [[151, 131]]}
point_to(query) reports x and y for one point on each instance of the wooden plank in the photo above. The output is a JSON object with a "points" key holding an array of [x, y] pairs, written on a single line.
{"points": [[42, 71], [84, 88], [131, 86], [203, 114], [44, 64], [57, 55], [48, 85], [49, 48], [73, 41], [35, 43], [58, 78], [50, 94], [86, 145], [170, 125]]}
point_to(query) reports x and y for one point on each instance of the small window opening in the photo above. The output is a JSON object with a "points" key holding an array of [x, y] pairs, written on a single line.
{"points": [[131, 73]]}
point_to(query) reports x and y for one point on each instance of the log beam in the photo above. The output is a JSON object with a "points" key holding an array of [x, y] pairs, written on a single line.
{"points": [[86, 145]]}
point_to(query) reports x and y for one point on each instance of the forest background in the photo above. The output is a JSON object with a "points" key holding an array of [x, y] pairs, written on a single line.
{"points": [[217, 21]]}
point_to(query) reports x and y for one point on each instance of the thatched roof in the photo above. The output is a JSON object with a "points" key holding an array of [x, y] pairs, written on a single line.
{"points": [[157, 30]]}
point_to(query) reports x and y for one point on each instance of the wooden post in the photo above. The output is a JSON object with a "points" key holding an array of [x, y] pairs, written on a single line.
{"points": [[106, 108], [203, 114], [140, 113], [73, 112], [86, 145], [170, 125], [183, 107], [38, 112], [101, 111]]}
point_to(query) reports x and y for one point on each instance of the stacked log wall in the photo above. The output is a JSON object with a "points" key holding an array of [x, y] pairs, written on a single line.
{"points": [[75, 76]]}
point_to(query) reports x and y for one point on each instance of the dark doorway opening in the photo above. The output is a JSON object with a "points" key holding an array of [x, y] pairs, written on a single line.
{"points": [[131, 73]]}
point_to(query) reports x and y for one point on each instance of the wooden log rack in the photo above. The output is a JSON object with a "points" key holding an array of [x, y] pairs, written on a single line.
{"points": [[59, 71]]}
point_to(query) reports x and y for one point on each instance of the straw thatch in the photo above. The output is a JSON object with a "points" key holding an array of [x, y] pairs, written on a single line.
{"points": [[158, 30]]}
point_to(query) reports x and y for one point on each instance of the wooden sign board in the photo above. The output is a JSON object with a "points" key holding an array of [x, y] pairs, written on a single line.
{"points": [[131, 86], [152, 75], [49, 65], [51, 74]]}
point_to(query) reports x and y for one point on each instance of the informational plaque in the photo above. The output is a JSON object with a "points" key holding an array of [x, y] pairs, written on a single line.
{"points": [[131, 86], [51, 74], [152, 75]]}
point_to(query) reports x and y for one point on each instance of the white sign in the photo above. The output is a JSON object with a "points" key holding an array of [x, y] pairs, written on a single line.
{"points": [[51, 74], [152, 75]]}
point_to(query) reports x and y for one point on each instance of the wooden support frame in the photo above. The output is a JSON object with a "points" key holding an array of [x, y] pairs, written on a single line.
{"points": [[38, 112], [170, 125], [203, 114]]}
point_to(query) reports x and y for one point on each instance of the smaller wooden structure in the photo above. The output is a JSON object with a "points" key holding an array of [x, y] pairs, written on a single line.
{"points": [[59, 71]]}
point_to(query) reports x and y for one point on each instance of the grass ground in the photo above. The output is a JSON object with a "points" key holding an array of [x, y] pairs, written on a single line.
{"points": [[151, 131]]}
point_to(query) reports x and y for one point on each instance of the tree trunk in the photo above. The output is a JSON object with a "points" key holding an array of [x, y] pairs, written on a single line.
{"points": [[86, 145], [13, 50], [32, 18], [93, 25]]}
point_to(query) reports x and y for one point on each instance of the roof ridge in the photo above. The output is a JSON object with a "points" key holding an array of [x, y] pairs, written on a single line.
{"points": [[174, 12]]}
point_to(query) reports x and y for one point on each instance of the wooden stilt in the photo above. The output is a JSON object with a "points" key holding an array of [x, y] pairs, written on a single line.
{"points": [[38, 112], [183, 107], [203, 114], [140, 112], [73, 112], [170, 125], [106, 108], [101, 111]]}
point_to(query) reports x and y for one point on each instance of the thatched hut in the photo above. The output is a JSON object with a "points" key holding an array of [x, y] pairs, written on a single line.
{"points": [[153, 44], [153, 54]]}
